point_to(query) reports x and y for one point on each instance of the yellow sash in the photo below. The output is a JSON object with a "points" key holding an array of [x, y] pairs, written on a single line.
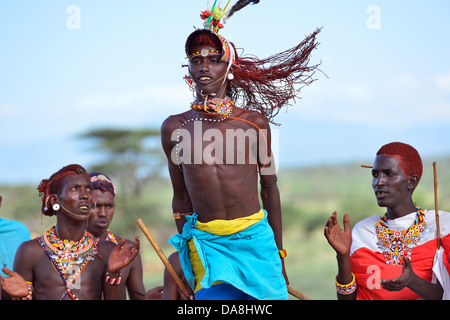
{"points": [[225, 227], [221, 228]]}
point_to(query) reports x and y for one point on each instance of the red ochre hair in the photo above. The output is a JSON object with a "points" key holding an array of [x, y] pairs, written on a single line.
{"points": [[409, 158], [267, 85], [51, 186]]}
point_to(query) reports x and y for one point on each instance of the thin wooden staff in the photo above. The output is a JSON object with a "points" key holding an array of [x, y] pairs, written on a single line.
{"points": [[297, 294], [436, 209], [163, 257]]}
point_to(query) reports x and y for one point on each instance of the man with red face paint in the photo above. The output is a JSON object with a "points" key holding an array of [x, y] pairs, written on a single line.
{"points": [[394, 257]]}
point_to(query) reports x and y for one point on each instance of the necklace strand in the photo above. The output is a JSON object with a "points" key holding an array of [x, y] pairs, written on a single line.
{"points": [[66, 255], [226, 105], [395, 244]]}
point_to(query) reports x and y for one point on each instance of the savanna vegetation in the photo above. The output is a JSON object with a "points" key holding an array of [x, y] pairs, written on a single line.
{"points": [[309, 196]]}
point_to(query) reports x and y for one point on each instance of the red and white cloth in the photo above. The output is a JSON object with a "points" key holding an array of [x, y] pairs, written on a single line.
{"points": [[369, 266]]}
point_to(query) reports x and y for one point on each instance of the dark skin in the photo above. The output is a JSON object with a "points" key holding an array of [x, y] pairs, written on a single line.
{"points": [[32, 263], [171, 289], [99, 221], [393, 190], [220, 191]]}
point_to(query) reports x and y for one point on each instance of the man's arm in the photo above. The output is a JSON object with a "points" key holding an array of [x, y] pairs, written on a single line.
{"points": [[341, 241], [408, 279], [119, 258], [181, 201], [135, 285], [15, 284], [270, 195]]}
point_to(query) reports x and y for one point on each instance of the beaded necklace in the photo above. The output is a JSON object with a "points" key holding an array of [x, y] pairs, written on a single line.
{"points": [[111, 237], [223, 111], [216, 105], [68, 255], [395, 244]]}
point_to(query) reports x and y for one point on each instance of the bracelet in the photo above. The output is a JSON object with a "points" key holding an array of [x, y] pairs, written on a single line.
{"points": [[113, 281], [29, 296], [282, 253], [346, 289], [177, 215]]}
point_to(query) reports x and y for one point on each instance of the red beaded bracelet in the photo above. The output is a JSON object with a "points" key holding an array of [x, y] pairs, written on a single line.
{"points": [[113, 281]]}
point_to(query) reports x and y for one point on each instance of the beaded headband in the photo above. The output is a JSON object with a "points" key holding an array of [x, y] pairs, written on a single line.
{"points": [[212, 18], [99, 178]]}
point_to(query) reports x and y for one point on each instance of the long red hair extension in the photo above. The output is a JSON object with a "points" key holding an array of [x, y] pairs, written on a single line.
{"points": [[269, 84]]}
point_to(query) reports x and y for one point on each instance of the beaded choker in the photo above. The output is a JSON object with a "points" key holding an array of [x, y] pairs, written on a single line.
{"points": [[395, 244], [69, 258], [111, 237], [216, 105]]}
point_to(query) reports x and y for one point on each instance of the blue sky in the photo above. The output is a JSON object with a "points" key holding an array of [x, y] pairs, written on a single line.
{"points": [[387, 67]]}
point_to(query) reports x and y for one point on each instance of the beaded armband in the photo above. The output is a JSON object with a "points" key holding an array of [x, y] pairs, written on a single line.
{"points": [[346, 289], [29, 296], [178, 215], [113, 281], [282, 253]]}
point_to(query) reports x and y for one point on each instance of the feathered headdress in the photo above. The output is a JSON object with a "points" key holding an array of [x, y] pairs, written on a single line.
{"points": [[264, 85], [212, 17]]}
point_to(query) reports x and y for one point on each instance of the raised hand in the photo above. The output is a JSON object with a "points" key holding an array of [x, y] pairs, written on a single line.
{"points": [[122, 255], [405, 279], [339, 239], [15, 285]]}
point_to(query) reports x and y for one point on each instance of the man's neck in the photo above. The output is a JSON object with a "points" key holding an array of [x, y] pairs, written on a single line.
{"points": [[99, 233], [70, 231], [209, 96], [400, 210]]}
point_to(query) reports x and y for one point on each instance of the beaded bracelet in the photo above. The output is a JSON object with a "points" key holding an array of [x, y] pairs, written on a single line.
{"points": [[29, 296], [178, 215], [113, 281], [346, 289]]}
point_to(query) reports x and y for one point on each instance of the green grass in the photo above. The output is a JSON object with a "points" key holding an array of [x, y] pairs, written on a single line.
{"points": [[308, 196]]}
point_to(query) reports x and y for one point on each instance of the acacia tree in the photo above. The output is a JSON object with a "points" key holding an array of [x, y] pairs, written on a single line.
{"points": [[131, 156]]}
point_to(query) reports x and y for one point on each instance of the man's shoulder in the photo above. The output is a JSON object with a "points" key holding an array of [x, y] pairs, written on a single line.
{"points": [[366, 225], [28, 249], [173, 122], [255, 117]]}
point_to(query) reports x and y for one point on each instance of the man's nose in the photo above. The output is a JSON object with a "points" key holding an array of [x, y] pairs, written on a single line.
{"points": [[380, 180], [205, 65], [101, 211]]}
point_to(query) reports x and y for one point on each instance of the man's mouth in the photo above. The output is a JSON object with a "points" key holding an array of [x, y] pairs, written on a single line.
{"points": [[380, 194], [84, 209], [204, 79]]}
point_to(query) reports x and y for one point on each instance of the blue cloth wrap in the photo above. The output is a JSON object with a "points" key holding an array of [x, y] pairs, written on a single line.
{"points": [[247, 260]]}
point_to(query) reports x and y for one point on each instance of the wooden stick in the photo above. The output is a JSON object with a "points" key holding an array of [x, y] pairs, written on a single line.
{"points": [[163, 257], [366, 166], [436, 209], [297, 294]]}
